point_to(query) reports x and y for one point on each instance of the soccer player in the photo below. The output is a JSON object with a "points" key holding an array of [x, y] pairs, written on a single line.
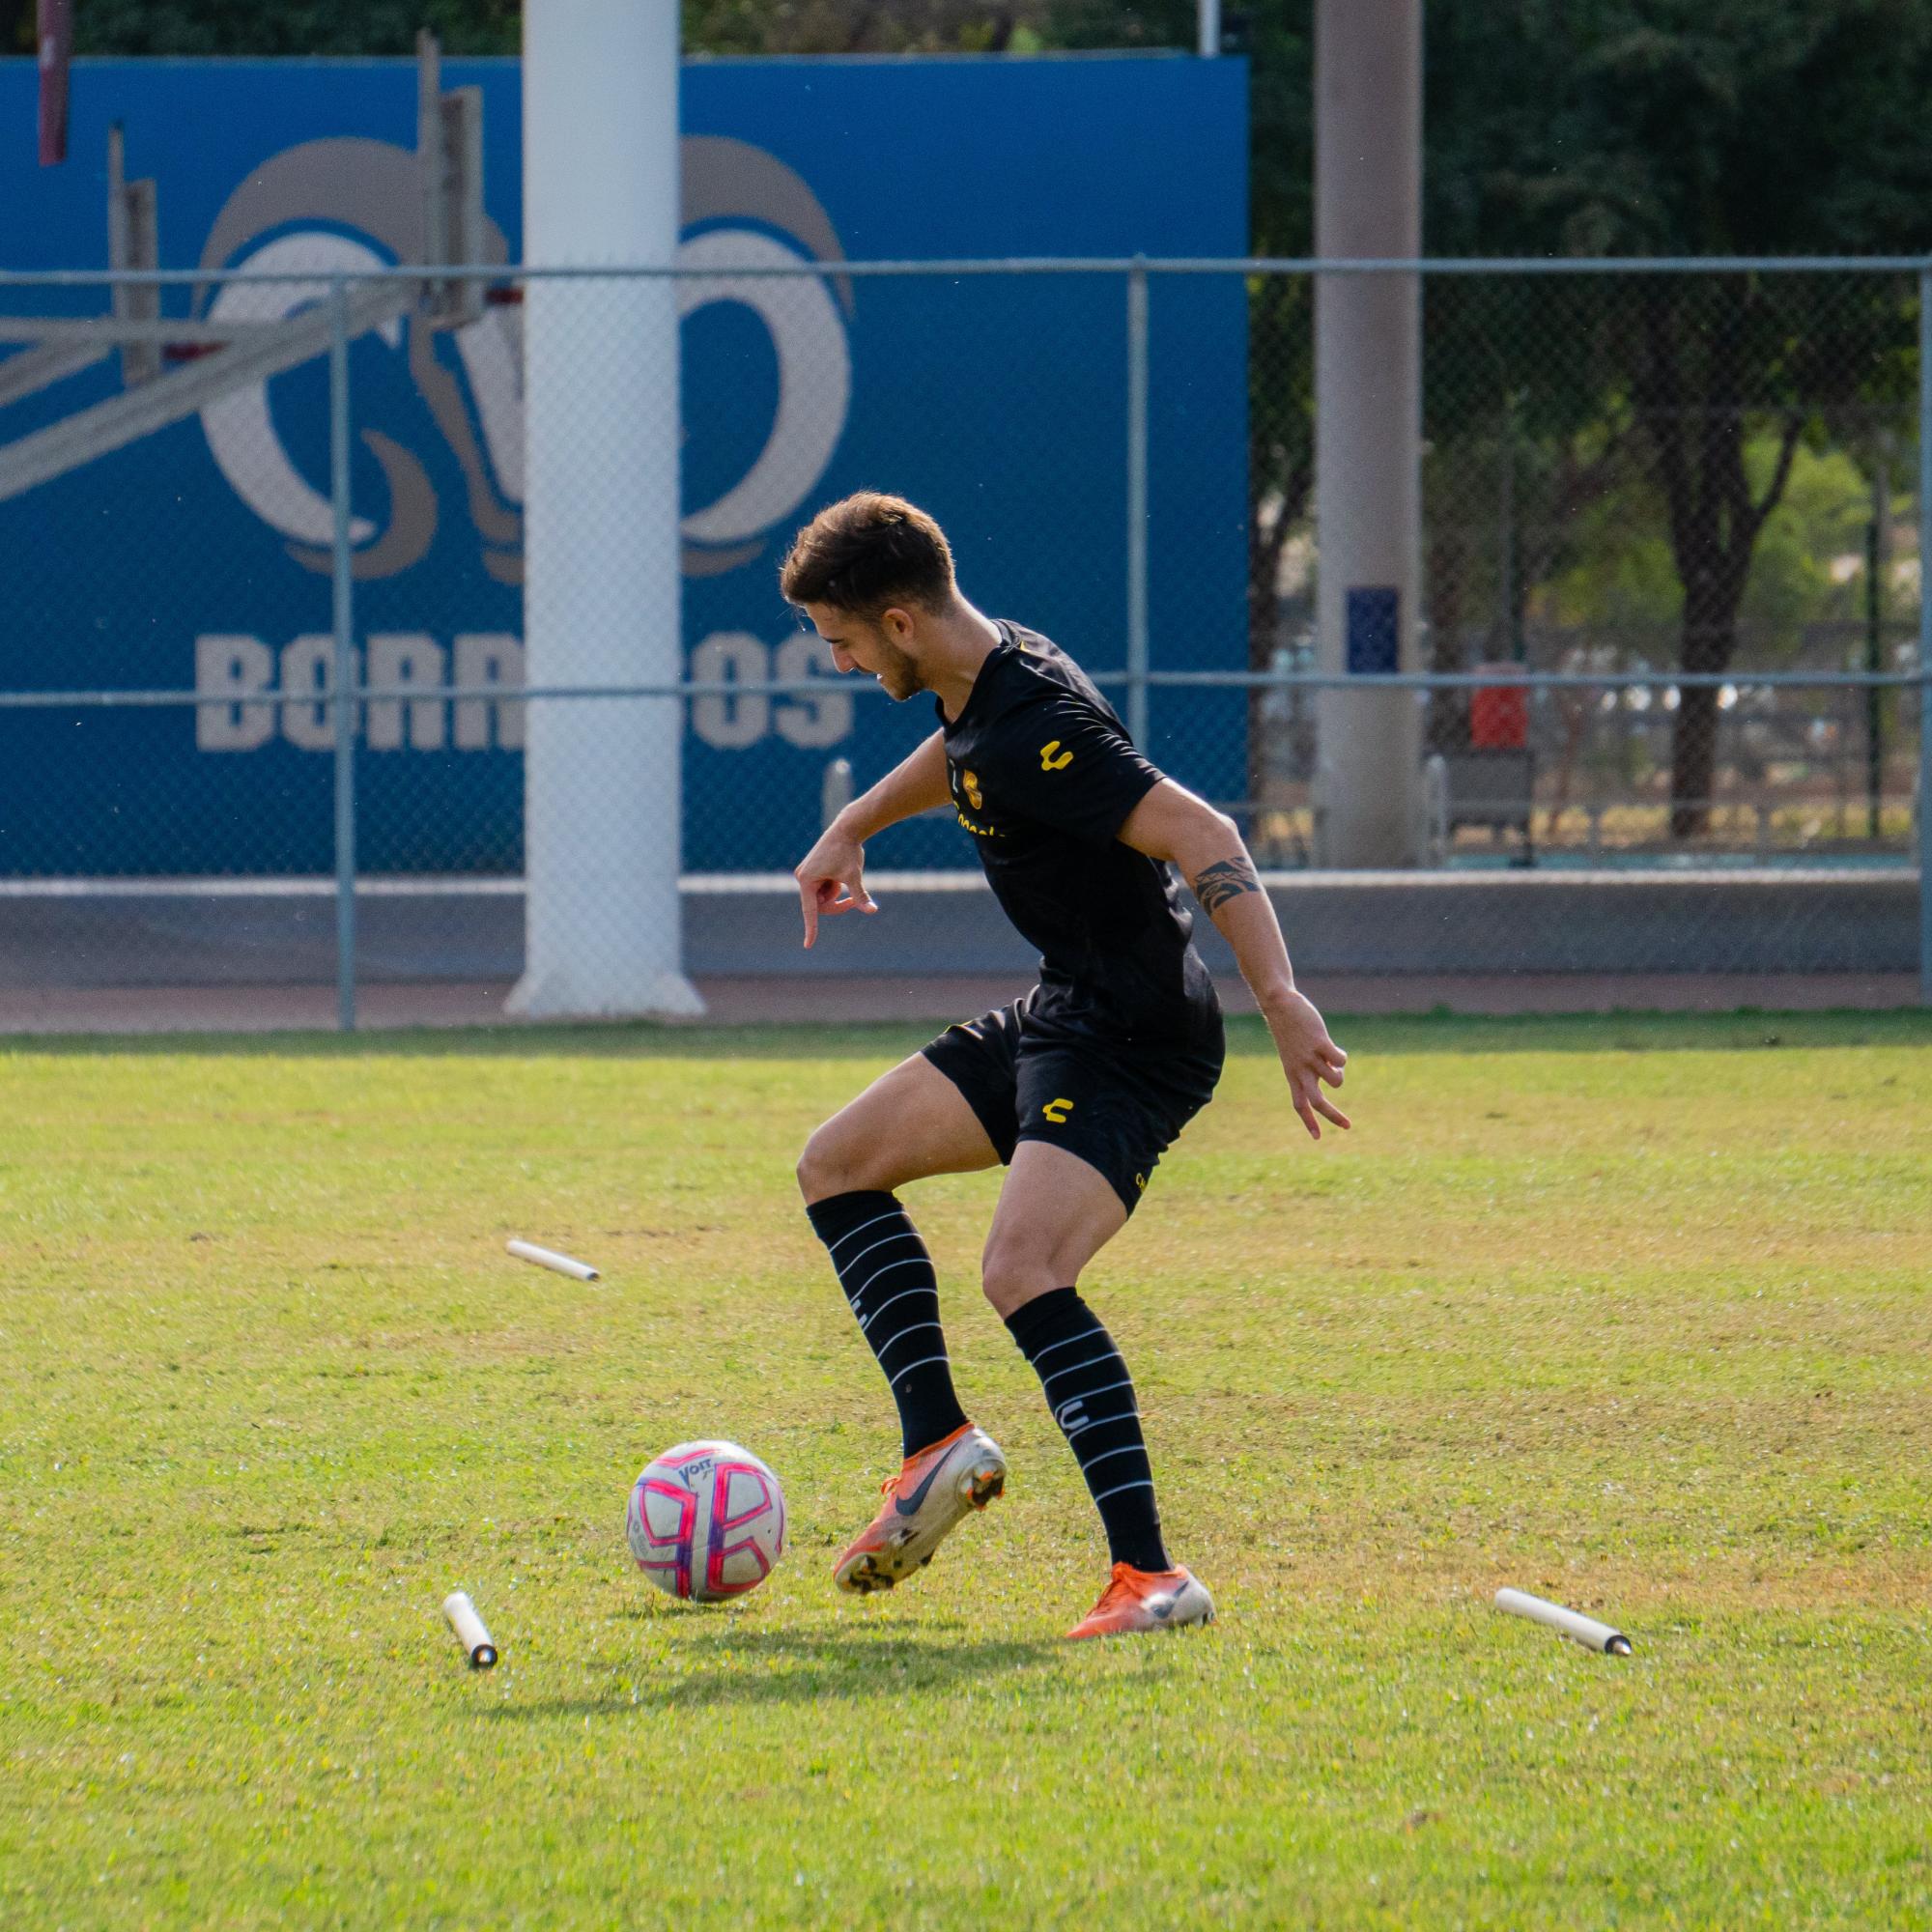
{"points": [[1078, 1088]]}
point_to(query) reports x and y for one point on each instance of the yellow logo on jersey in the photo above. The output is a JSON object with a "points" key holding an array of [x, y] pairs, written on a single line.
{"points": [[970, 781], [1048, 762], [1057, 1112]]}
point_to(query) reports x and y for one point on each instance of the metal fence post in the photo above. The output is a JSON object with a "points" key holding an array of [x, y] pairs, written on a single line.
{"points": [[1924, 635], [1137, 502], [342, 678]]}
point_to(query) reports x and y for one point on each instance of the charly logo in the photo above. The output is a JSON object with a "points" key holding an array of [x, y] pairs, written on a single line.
{"points": [[344, 205]]}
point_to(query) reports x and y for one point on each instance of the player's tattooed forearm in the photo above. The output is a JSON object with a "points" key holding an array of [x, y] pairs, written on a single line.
{"points": [[1224, 880]]}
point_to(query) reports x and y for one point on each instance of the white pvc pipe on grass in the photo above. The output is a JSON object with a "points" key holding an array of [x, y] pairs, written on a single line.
{"points": [[1579, 1629], [468, 1629], [549, 1258]]}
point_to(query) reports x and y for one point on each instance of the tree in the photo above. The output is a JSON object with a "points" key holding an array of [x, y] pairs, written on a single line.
{"points": [[276, 27], [860, 26], [495, 26], [1704, 127]]}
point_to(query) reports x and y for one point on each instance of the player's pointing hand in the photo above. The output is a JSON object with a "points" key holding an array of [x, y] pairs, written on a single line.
{"points": [[1309, 1058], [832, 879]]}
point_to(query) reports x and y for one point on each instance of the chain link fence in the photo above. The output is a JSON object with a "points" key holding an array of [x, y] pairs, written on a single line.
{"points": [[270, 642]]}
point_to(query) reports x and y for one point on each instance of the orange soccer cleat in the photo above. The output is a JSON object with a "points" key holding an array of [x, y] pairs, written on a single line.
{"points": [[1147, 1600], [923, 1502]]}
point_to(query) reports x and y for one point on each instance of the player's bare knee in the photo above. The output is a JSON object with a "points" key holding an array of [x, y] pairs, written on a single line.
{"points": [[1012, 1273], [824, 1168]]}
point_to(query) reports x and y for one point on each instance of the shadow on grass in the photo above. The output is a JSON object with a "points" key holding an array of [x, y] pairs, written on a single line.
{"points": [[763, 1666]]}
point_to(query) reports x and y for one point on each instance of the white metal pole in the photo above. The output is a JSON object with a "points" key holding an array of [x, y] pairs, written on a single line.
{"points": [[1209, 24], [1367, 401], [342, 674], [603, 937]]}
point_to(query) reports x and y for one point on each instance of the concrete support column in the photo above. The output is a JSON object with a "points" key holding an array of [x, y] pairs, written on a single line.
{"points": [[1368, 403], [601, 591]]}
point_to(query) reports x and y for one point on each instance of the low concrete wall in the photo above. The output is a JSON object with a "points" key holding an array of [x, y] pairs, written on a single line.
{"points": [[236, 934]]}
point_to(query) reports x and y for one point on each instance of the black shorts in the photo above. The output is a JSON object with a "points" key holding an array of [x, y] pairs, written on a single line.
{"points": [[1118, 1107]]}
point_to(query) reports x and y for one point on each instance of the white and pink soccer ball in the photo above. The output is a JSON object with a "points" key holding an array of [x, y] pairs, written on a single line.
{"points": [[706, 1520]]}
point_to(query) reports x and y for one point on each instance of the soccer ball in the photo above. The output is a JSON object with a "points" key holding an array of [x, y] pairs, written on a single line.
{"points": [[706, 1520]]}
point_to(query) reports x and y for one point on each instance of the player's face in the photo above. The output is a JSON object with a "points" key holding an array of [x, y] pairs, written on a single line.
{"points": [[860, 645]]}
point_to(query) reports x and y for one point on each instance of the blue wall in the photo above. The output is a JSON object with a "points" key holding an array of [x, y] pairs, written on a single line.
{"points": [[997, 402]]}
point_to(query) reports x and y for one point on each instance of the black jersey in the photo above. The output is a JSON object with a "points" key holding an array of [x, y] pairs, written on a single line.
{"points": [[1043, 775]]}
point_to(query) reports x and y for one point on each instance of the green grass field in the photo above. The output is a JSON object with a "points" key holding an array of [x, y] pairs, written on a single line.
{"points": [[1631, 1312]]}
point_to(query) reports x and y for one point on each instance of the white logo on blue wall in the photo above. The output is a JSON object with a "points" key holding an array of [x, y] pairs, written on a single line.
{"points": [[340, 206], [254, 694]]}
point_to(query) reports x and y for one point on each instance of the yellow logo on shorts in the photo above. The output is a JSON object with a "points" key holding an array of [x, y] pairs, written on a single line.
{"points": [[970, 781], [1057, 1112], [1140, 1181], [1048, 762]]}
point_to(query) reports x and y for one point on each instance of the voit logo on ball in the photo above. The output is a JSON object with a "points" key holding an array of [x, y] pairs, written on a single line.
{"points": [[768, 373]]}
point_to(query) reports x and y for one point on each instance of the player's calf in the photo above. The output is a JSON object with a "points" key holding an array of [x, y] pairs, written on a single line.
{"points": [[1092, 1397], [889, 1283]]}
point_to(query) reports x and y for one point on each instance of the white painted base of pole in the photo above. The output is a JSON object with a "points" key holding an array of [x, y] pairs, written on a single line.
{"points": [[1586, 1631], [468, 1629], [549, 1258], [663, 996]]}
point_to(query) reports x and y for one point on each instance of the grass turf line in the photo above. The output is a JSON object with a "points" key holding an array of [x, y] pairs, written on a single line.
{"points": [[1631, 1312]]}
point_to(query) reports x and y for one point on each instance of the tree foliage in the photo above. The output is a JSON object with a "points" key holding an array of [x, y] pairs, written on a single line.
{"points": [[375, 27], [860, 26], [290, 27], [1696, 128]]}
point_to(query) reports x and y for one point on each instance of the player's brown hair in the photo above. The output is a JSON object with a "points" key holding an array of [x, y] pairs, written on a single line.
{"points": [[865, 552]]}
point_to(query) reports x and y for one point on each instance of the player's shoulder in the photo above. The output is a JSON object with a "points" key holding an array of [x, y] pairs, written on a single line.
{"points": [[1036, 674]]}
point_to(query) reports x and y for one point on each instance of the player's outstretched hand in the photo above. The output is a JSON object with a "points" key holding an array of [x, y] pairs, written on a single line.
{"points": [[1309, 1058], [832, 879]]}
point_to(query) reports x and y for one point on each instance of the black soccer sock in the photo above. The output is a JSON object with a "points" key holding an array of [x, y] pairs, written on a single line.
{"points": [[1092, 1397], [887, 1275]]}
